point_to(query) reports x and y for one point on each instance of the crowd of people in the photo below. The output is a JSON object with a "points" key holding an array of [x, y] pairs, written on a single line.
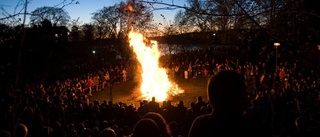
{"points": [[276, 100]]}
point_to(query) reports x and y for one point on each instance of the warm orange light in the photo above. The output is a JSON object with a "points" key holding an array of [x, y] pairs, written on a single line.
{"points": [[276, 44], [155, 81], [129, 7]]}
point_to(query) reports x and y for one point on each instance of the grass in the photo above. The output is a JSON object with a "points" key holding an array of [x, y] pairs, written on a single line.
{"points": [[127, 92]]}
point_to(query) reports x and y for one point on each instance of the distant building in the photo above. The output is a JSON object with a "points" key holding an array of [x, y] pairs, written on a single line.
{"points": [[46, 36], [43, 47]]}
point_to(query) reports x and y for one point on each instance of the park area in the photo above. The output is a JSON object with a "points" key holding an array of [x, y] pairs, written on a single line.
{"points": [[127, 92]]}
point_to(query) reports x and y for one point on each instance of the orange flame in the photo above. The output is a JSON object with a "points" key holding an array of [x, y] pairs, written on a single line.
{"points": [[155, 81], [129, 7]]}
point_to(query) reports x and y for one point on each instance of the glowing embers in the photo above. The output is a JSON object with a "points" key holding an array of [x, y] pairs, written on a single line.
{"points": [[155, 81]]}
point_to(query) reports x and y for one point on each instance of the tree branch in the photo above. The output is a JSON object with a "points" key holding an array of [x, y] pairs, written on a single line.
{"points": [[174, 6], [63, 4]]}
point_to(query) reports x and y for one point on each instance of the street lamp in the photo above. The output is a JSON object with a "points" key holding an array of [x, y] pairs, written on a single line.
{"points": [[276, 45]]}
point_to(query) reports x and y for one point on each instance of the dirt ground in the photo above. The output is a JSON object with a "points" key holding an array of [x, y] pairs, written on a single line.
{"points": [[128, 92]]}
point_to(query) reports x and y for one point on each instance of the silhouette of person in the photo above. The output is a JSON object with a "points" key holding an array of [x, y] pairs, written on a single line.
{"points": [[154, 106], [161, 122], [228, 97], [21, 130], [146, 127], [107, 132]]}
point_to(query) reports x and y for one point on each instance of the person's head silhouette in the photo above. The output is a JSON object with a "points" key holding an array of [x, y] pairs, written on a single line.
{"points": [[227, 93], [228, 97]]}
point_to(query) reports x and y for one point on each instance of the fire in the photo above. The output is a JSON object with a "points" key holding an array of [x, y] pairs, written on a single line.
{"points": [[129, 7], [155, 81]]}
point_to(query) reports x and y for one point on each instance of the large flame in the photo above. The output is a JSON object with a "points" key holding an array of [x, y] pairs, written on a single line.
{"points": [[155, 81], [130, 8]]}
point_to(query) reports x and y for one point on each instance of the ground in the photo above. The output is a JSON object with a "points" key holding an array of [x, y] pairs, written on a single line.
{"points": [[127, 92]]}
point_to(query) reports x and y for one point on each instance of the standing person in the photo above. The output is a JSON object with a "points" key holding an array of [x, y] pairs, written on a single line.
{"points": [[96, 80], [161, 122], [102, 80], [198, 105], [184, 68], [190, 69], [90, 85], [124, 75], [146, 127], [154, 106], [228, 99], [107, 78]]}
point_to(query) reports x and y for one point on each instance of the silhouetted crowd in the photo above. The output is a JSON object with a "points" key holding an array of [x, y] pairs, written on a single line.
{"points": [[282, 100]]}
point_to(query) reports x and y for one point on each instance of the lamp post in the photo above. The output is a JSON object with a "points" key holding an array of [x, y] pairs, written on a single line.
{"points": [[214, 38], [276, 45]]}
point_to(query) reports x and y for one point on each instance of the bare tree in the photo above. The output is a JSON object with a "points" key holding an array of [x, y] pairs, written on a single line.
{"points": [[106, 20], [87, 32], [181, 23], [115, 21], [135, 14], [19, 10], [58, 16], [75, 34]]}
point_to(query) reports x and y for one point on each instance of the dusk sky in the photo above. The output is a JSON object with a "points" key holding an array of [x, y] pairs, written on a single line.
{"points": [[84, 9]]}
